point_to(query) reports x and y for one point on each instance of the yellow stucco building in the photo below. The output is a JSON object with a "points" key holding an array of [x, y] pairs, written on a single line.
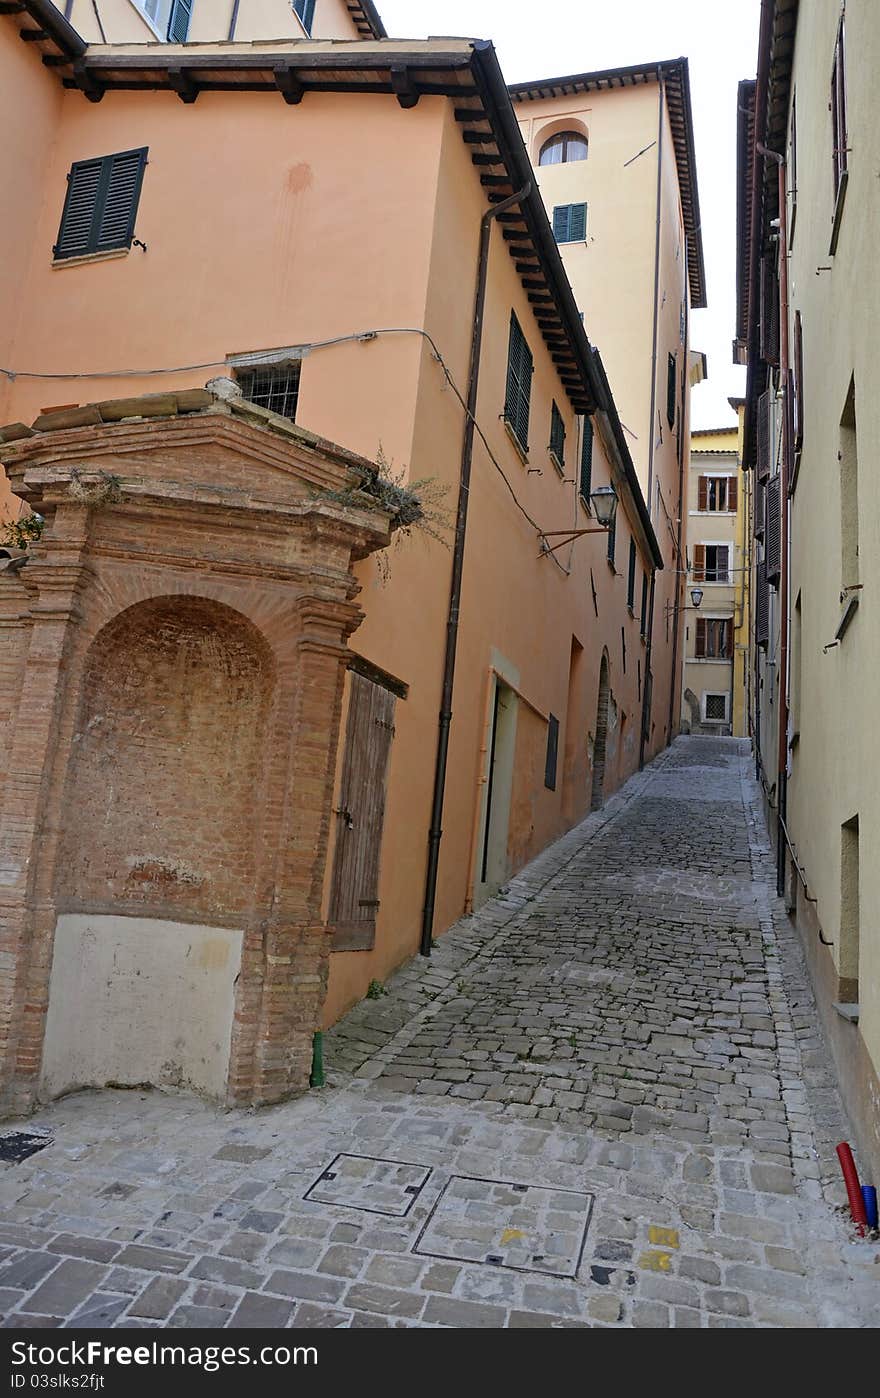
{"points": [[808, 304]]}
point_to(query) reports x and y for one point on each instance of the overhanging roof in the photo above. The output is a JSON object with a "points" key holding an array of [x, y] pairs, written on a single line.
{"points": [[464, 70], [676, 76]]}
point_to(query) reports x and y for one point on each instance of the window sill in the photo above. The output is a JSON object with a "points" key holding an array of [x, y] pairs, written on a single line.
{"points": [[571, 242], [838, 212], [629, 608], [709, 659], [521, 451], [560, 465], [585, 504], [849, 1011], [90, 257], [610, 562]]}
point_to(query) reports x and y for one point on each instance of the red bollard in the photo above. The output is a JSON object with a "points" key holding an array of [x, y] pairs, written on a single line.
{"points": [[853, 1188]]}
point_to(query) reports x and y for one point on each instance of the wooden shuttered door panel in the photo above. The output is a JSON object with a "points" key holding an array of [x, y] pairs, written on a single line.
{"points": [[101, 204], [765, 442], [762, 606], [769, 326], [699, 562], [360, 816], [700, 639], [773, 530], [732, 492], [178, 22], [703, 493]]}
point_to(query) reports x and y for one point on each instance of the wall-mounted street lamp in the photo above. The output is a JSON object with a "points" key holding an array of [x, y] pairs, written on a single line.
{"points": [[604, 502], [696, 598]]}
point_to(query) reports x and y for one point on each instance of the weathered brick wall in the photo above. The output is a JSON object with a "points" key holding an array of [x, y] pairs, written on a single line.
{"points": [[167, 760]]}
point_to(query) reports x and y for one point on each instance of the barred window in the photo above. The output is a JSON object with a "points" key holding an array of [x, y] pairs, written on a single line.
{"points": [[275, 386]]}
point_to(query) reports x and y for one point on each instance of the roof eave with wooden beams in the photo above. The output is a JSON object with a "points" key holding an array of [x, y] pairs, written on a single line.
{"points": [[464, 70]]}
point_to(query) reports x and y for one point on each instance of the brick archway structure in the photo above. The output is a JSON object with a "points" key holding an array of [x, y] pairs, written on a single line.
{"points": [[171, 666]]}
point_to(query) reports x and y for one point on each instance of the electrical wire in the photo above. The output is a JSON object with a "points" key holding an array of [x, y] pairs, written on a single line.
{"points": [[363, 336]]}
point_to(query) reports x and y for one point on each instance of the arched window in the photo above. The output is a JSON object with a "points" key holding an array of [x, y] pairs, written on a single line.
{"points": [[564, 146]]}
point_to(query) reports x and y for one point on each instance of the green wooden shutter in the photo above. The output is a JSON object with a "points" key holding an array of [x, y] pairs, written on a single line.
{"points": [[101, 204], [560, 222], [631, 577], [577, 223], [122, 188], [74, 235], [671, 375], [587, 459], [178, 21], [519, 384], [643, 625]]}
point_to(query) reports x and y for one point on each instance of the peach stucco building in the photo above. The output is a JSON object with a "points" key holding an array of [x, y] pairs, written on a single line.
{"points": [[304, 227]]}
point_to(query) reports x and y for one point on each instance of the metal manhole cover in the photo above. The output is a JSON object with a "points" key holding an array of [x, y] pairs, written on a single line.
{"points": [[16, 1146], [365, 1182], [528, 1227]]}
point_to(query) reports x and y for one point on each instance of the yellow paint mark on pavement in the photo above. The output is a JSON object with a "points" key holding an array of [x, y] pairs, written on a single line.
{"points": [[656, 1261], [663, 1237], [510, 1234]]}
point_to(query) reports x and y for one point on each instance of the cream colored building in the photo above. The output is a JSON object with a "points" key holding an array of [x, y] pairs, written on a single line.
{"points": [[613, 153], [808, 309], [713, 669]]}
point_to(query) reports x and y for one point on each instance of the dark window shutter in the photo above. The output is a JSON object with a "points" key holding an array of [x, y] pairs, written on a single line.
{"points": [[178, 21], [773, 535], [519, 384], [552, 752], [700, 639], [557, 434], [699, 562], [644, 620], [75, 233], [631, 576], [586, 484], [758, 521], [101, 204], [769, 326], [727, 628], [570, 223], [762, 606], [703, 500], [671, 374], [612, 541], [798, 386], [306, 11], [732, 492], [764, 436]]}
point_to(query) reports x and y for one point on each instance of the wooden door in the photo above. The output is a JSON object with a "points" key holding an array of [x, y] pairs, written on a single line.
{"points": [[360, 816]]}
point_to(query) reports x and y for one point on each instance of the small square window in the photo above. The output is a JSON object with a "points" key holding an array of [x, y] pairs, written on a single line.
{"points": [[272, 386]]}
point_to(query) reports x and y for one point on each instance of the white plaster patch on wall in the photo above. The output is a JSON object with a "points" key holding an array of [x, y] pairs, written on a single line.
{"points": [[135, 1000]]}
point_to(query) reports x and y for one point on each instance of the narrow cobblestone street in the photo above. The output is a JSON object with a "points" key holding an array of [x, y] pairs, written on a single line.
{"points": [[604, 1101]]}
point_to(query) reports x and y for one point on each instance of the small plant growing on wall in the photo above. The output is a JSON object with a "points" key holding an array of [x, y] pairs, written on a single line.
{"points": [[100, 489], [19, 533], [375, 990]]}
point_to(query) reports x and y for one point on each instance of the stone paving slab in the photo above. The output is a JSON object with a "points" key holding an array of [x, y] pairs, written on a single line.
{"points": [[628, 1029]]}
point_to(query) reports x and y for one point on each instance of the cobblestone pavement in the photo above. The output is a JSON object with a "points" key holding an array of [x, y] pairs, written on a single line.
{"points": [[604, 1101]]}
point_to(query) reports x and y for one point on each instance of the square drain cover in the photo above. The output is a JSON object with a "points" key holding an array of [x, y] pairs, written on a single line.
{"points": [[529, 1227], [18, 1145], [364, 1182]]}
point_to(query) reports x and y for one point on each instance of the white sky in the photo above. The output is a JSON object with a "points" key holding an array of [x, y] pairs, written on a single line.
{"points": [[719, 37]]}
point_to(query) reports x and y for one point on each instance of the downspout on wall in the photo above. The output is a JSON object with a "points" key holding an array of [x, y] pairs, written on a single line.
{"points": [[680, 573], [647, 691], [435, 833]]}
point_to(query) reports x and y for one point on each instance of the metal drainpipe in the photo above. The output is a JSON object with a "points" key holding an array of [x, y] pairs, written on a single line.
{"points": [[782, 671], [680, 576], [435, 833], [660, 101], [647, 691], [234, 20]]}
